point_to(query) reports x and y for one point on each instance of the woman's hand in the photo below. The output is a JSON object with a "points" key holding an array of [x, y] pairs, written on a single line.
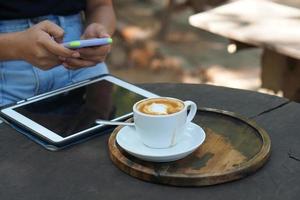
{"points": [[90, 56], [39, 45]]}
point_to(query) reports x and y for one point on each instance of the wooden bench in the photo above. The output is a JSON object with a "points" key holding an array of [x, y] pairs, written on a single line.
{"points": [[175, 6], [265, 24]]}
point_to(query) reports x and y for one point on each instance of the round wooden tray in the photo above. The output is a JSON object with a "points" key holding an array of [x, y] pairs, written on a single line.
{"points": [[234, 148]]}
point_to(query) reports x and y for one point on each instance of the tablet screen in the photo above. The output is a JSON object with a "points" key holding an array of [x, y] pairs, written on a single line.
{"points": [[76, 110]]}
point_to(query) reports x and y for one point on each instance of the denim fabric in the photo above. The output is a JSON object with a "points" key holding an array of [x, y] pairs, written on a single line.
{"points": [[20, 80]]}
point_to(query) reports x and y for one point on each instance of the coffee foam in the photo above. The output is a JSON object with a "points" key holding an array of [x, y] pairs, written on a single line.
{"points": [[160, 106], [157, 108]]}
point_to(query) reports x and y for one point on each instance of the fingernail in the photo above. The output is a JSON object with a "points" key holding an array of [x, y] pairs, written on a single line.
{"points": [[76, 55], [105, 35], [61, 58]]}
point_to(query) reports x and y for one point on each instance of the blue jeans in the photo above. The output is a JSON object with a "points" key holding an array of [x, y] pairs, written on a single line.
{"points": [[20, 80]]}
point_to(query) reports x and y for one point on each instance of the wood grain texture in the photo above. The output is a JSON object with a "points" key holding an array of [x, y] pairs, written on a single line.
{"points": [[234, 148]]}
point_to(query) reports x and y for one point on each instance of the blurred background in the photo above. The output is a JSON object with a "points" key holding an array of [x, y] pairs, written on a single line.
{"points": [[152, 45]]}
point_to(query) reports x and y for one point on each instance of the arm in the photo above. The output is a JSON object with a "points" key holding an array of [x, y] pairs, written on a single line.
{"points": [[100, 22], [101, 12], [8, 46]]}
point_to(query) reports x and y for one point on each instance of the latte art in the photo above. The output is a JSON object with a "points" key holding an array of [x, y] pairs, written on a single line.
{"points": [[157, 108], [160, 106]]}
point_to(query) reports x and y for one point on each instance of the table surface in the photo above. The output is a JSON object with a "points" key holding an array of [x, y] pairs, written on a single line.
{"points": [[256, 22], [27, 171]]}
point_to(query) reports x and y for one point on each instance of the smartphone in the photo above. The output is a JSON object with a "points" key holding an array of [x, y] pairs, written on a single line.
{"points": [[87, 43]]}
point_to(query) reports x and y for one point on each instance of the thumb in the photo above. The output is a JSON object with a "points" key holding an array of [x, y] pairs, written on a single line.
{"points": [[101, 32], [95, 31], [52, 29]]}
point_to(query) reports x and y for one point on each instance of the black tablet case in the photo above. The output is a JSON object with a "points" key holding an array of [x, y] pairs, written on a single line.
{"points": [[52, 147]]}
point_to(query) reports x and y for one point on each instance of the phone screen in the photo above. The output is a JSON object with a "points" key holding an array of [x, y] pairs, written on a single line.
{"points": [[76, 110]]}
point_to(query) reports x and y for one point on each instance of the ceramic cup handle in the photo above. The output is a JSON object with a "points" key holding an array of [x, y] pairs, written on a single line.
{"points": [[192, 112]]}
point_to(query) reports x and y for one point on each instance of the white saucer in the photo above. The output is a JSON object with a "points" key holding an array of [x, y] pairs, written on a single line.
{"points": [[192, 138]]}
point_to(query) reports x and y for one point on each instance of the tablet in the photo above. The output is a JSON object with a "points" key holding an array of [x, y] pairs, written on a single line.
{"points": [[69, 113]]}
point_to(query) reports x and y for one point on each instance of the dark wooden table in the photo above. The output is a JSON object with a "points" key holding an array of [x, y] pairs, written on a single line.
{"points": [[27, 171]]}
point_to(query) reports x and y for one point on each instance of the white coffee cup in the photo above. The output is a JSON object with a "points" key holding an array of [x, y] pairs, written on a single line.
{"points": [[163, 131]]}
